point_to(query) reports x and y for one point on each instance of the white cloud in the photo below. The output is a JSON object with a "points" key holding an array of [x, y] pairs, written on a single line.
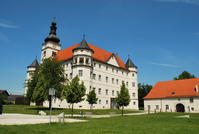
{"points": [[195, 2], [164, 65], [7, 24]]}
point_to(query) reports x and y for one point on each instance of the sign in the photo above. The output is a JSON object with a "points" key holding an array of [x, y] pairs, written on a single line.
{"points": [[51, 91]]}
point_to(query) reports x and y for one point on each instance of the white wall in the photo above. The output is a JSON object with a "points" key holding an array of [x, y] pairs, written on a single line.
{"points": [[172, 102]]}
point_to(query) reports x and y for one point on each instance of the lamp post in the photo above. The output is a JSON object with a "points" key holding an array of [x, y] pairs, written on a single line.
{"points": [[51, 94]]}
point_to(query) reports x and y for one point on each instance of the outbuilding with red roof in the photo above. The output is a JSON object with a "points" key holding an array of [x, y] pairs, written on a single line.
{"points": [[174, 96]]}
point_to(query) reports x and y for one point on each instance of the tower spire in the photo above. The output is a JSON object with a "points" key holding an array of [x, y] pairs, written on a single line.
{"points": [[53, 33]]}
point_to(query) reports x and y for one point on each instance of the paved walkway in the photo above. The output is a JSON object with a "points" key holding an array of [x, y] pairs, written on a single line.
{"points": [[20, 119], [106, 116]]}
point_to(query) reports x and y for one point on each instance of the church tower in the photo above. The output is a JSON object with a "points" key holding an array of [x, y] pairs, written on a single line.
{"points": [[51, 45]]}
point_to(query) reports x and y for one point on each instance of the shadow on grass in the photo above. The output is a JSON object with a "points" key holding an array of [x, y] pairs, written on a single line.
{"points": [[44, 108]]}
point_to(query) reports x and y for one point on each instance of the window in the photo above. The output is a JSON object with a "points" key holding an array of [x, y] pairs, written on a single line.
{"points": [[44, 53], [191, 100], [117, 81], [94, 64], [117, 92], [127, 84], [167, 107], [53, 53], [106, 101], [66, 76], [134, 103], [71, 75], [99, 65], [192, 108], [99, 101], [94, 76], [149, 107], [90, 88], [113, 93], [81, 60], [116, 71], [133, 74], [133, 94], [122, 72], [112, 80], [94, 88], [157, 107], [80, 73], [87, 60], [75, 60], [113, 70], [106, 79], [99, 77], [99, 91], [126, 74], [106, 91], [133, 84], [106, 68]]}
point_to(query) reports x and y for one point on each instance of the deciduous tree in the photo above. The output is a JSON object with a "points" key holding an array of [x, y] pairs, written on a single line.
{"points": [[91, 98], [75, 91], [123, 97]]}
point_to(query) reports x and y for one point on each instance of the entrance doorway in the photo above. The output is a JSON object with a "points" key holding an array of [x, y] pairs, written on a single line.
{"points": [[113, 103], [180, 108]]}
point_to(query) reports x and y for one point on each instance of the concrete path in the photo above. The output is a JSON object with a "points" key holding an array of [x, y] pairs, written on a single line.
{"points": [[106, 116], [19, 119]]}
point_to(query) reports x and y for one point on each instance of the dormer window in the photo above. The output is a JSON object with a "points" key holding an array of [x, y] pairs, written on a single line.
{"points": [[173, 93], [82, 50], [81, 60]]}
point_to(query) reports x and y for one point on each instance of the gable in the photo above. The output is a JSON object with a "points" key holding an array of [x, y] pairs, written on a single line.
{"points": [[113, 61]]}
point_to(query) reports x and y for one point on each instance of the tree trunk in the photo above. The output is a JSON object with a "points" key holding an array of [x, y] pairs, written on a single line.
{"points": [[122, 110], [91, 106], [50, 101], [72, 109]]}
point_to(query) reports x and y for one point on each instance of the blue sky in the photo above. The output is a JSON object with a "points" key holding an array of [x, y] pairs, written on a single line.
{"points": [[161, 36]]}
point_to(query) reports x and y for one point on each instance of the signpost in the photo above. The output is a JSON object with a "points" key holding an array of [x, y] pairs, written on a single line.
{"points": [[51, 94]]}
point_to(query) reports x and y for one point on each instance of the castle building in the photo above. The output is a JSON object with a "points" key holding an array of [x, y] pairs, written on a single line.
{"points": [[173, 96], [100, 70]]}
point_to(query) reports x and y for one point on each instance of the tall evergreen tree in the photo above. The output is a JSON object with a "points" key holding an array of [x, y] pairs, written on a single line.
{"points": [[75, 91], [91, 98], [184, 75], [123, 98]]}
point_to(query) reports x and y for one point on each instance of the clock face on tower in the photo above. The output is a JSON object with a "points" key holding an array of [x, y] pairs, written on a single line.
{"points": [[54, 46]]}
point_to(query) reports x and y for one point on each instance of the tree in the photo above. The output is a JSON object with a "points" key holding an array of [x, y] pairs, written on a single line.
{"points": [[184, 75], [143, 90], [31, 85], [75, 91], [91, 98], [123, 97], [50, 74]]}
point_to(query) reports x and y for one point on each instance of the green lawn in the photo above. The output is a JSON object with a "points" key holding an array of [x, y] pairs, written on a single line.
{"points": [[161, 123], [33, 110]]}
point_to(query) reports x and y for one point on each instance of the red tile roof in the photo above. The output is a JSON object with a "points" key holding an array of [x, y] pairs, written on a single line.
{"points": [[99, 54], [174, 89]]}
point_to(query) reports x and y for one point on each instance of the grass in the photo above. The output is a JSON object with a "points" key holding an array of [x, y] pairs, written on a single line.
{"points": [[24, 109], [161, 123]]}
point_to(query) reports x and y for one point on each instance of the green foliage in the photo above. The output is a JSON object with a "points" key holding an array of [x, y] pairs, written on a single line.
{"points": [[184, 75], [143, 90], [2, 99], [91, 98], [75, 91], [50, 74], [123, 97]]}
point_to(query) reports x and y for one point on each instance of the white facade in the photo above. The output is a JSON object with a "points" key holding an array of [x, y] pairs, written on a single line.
{"points": [[170, 104], [104, 78]]}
